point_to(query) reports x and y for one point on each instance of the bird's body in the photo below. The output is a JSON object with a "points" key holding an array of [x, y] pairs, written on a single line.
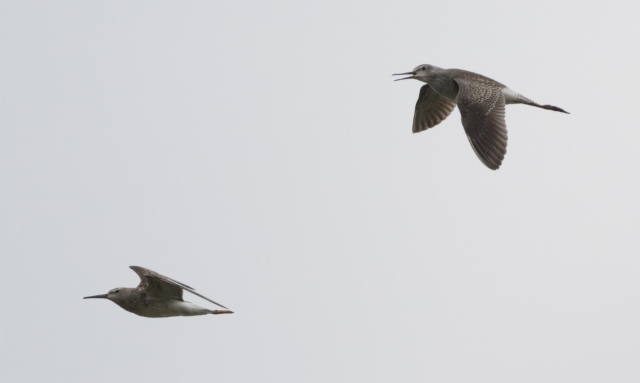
{"points": [[161, 308], [157, 296], [481, 101]]}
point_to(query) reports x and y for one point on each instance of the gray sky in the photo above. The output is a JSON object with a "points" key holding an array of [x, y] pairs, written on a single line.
{"points": [[261, 153]]}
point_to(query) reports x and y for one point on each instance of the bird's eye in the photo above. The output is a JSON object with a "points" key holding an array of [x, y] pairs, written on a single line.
{"points": [[116, 291], [424, 68]]}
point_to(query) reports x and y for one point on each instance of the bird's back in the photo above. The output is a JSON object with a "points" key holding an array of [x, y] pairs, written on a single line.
{"points": [[473, 78]]}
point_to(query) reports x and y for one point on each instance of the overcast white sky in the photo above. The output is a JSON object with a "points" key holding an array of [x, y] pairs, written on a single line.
{"points": [[260, 152]]}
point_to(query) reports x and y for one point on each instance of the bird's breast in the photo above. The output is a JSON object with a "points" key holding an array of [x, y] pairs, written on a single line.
{"points": [[444, 87]]}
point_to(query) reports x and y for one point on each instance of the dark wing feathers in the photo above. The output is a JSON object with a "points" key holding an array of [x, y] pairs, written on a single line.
{"points": [[482, 111], [159, 286], [431, 109], [142, 272]]}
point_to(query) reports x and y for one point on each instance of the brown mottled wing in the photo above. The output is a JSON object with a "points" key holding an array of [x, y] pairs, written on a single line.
{"points": [[159, 286], [482, 110], [431, 109]]}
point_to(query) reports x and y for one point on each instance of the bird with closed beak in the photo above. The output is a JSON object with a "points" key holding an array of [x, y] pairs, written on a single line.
{"points": [[157, 296]]}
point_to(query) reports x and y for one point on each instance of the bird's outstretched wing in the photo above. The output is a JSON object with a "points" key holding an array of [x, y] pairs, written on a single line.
{"points": [[159, 286], [482, 110], [431, 109]]}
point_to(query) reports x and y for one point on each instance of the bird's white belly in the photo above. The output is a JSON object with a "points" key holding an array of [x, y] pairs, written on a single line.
{"points": [[172, 309], [187, 308]]}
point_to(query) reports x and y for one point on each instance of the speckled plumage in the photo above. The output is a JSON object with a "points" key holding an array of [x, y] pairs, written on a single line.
{"points": [[157, 296], [481, 101]]}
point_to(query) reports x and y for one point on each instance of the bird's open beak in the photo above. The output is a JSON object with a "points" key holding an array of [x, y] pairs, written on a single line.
{"points": [[406, 78], [97, 296]]}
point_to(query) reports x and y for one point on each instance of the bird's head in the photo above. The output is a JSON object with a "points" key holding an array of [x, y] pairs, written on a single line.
{"points": [[421, 72]]}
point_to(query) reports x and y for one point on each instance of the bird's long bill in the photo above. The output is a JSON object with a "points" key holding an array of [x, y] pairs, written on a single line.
{"points": [[96, 296], [402, 74]]}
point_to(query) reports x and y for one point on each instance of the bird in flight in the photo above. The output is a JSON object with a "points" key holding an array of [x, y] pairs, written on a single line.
{"points": [[157, 296], [481, 101]]}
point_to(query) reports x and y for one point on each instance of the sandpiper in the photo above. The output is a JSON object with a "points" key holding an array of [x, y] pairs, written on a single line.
{"points": [[157, 297], [481, 101]]}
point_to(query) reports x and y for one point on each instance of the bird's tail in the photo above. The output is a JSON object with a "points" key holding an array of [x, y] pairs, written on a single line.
{"points": [[216, 312], [523, 100], [554, 108]]}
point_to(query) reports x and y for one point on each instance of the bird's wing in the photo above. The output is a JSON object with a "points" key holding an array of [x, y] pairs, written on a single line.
{"points": [[431, 109], [482, 110], [159, 286]]}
